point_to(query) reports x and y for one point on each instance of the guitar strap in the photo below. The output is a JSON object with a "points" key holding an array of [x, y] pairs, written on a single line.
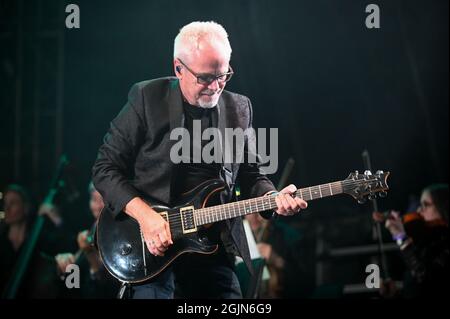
{"points": [[227, 174]]}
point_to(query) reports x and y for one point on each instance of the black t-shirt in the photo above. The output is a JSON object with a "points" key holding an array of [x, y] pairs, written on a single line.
{"points": [[190, 175]]}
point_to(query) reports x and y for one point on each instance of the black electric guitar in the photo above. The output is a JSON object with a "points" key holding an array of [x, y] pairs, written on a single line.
{"points": [[125, 254]]}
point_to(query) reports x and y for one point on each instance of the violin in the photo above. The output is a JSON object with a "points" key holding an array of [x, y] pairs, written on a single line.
{"points": [[412, 217], [406, 218], [414, 224]]}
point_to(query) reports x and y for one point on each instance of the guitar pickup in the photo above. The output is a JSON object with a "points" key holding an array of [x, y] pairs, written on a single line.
{"points": [[187, 219]]}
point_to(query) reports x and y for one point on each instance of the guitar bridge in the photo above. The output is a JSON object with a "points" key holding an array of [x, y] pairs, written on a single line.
{"points": [[187, 219]]}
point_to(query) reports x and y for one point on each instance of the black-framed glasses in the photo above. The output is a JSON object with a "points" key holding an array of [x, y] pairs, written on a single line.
{"points": [[207, 78]]}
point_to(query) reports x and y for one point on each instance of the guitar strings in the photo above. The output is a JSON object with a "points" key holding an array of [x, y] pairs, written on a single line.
{"points": [[258, 206], [175, 220]]}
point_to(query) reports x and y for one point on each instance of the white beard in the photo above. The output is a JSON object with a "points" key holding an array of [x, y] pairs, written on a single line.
{"points": [[209, 104]]}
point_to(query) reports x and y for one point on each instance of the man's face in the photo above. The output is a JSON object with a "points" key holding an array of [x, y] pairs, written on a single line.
{"points": [[207, 60]]}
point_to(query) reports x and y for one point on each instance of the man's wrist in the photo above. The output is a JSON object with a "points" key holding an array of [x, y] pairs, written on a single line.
{"points": [[138, 209]]}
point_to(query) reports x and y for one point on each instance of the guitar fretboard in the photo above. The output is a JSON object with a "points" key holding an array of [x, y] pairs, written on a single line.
{"points": [[259, 204]]}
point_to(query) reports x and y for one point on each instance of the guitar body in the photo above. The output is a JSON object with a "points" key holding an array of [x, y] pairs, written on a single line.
{"points": [[122, 246]]}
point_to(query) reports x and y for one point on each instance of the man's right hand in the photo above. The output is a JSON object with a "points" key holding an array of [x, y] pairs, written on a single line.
{"points": [[154, 228]]}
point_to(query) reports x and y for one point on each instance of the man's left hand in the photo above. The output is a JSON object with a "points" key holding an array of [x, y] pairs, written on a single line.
{"points": [[288, 205]]}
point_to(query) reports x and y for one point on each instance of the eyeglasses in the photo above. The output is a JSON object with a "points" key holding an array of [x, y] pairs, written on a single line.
{"points": [[207, 79]]}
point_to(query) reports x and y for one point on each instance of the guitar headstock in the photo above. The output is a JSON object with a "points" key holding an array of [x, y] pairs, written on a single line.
{"points": [[360, 186]]}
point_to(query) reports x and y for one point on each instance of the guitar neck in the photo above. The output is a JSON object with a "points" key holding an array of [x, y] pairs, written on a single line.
{"points": [[259, 204]]}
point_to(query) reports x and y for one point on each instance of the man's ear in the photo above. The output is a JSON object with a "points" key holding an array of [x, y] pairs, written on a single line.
{"points": [[177, 68]]}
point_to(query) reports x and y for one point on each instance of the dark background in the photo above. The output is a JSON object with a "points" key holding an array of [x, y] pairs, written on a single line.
{"points": [[311, 68]]}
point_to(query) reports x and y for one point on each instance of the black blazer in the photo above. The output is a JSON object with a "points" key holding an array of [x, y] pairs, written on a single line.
{"points": [[135, 156]]}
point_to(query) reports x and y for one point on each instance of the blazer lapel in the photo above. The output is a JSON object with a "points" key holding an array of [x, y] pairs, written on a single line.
{"points": [[223, 123], [175, 105]]}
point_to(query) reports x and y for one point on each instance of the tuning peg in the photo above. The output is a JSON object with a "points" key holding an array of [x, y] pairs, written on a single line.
{"points": [[372, 196], [367, 173], [379, 173], [362, 200], [382, 194]]}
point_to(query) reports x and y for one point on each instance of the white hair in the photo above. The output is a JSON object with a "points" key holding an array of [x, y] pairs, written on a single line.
{"points": [[192, 35]]}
